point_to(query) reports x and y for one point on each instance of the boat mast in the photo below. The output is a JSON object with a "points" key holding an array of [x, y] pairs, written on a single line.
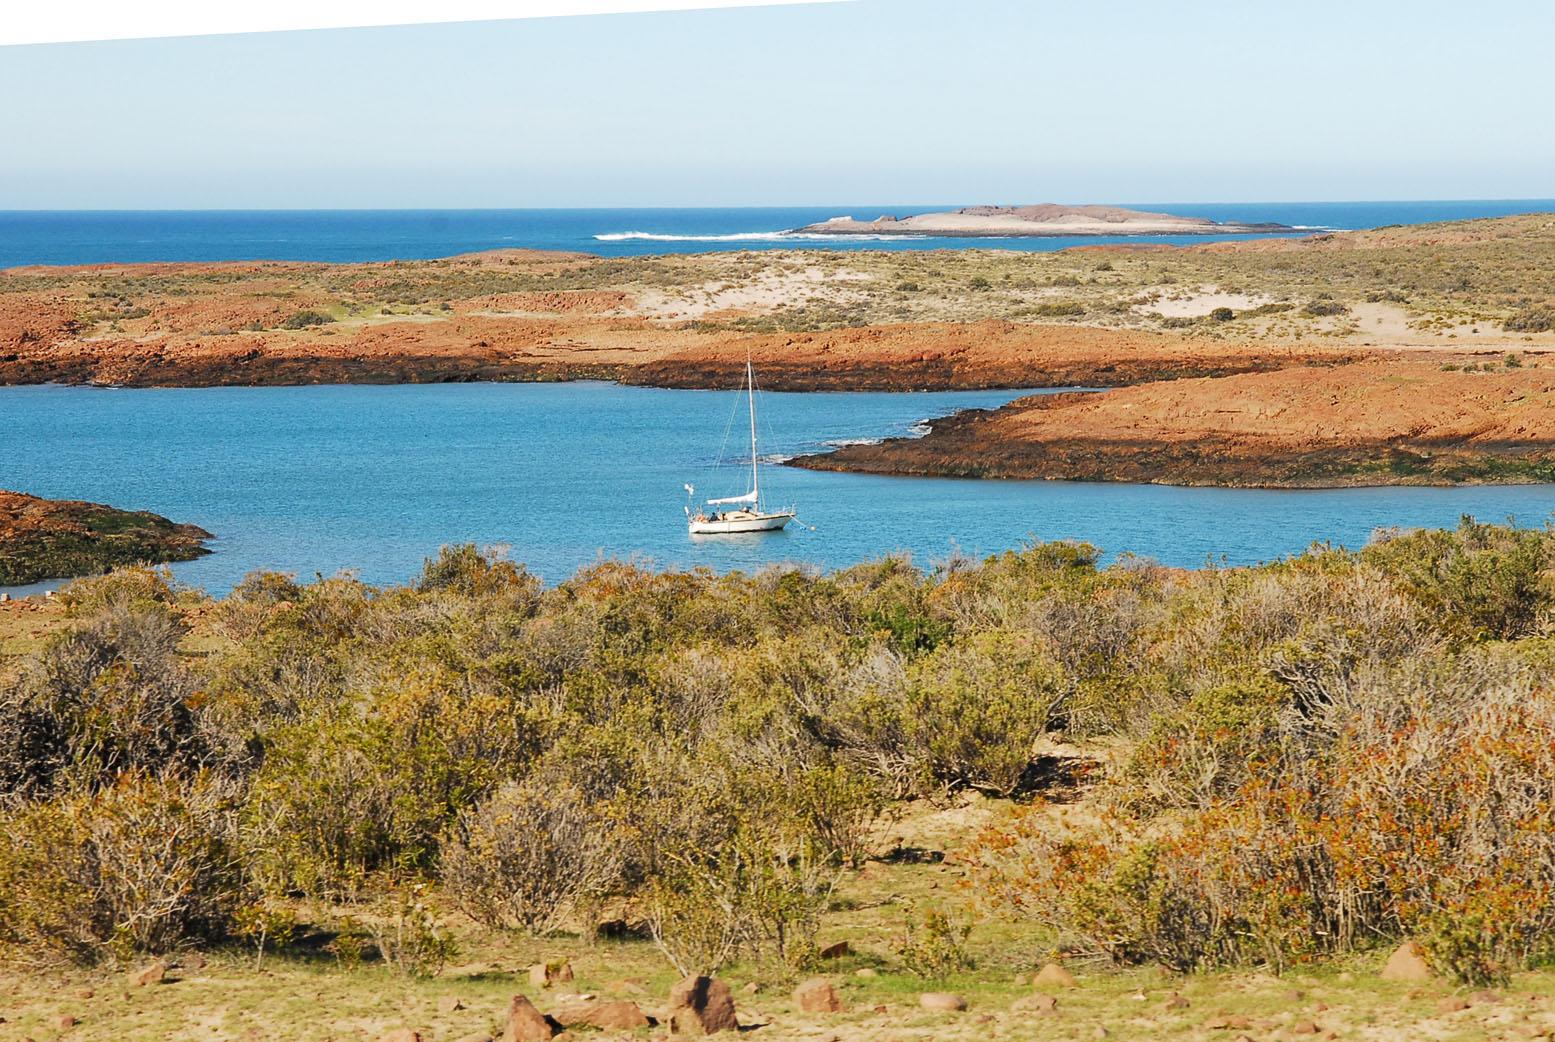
{"points": [[750, 393]]}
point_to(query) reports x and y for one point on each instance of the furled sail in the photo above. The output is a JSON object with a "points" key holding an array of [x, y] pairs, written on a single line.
{"points": [[749, 497]]}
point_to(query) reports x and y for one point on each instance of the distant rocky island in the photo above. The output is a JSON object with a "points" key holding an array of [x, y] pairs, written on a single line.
{"points": [[1044, 219]]}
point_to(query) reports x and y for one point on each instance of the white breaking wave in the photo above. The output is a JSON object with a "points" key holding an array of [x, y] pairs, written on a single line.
{"points": [[737, 237]]}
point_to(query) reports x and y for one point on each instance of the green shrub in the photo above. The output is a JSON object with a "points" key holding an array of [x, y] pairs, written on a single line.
{"points": [[529, 855], [304, 319], [1531, 319], [108, 694], [145, 865]]}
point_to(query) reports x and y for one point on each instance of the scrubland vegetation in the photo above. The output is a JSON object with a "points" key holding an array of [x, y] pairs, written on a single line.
{"points": [[1278, 764]]}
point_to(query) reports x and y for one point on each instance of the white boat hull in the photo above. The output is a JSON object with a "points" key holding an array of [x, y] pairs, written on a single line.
{"points": [[740, 523]]}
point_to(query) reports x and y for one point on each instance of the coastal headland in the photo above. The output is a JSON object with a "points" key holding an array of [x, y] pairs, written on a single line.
{"points": [[1406, 354], [55, 539]]}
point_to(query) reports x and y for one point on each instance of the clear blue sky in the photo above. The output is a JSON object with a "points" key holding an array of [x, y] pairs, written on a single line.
{"points": [[888, 101]]}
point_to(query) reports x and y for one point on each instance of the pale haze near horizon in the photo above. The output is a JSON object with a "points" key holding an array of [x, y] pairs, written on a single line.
{"points": [[876, 101]]}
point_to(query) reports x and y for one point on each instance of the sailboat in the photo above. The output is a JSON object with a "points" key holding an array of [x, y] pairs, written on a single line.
{"points": [[733, 515]]}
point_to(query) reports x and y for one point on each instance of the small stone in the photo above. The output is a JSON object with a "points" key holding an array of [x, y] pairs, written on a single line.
{"points": [[1021, 980], [403, 1035], [193, 962], [1321, 1007], [1452, 1004], [817, 996], [1407, 963], [449, 1004], [1139, 996], [866, 971], [154, 973], [837, 950], [1100, 1031], [630, 985], [1038, 1003], [86, 993], [1055, 976], [1304, 1027], [1484, 998], [546, 974], [1175, 1001], [479, 1036], [66, 1021], [882, 1009], [751, 989], [946, 1001], [986, 1018], [1296, 995]]}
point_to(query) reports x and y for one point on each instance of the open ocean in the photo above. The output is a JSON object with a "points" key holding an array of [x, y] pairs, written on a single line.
{"points": [[90, 237]]}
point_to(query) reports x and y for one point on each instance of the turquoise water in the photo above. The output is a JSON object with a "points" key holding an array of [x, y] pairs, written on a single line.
{"points": [[83, 237], [319, 479]]}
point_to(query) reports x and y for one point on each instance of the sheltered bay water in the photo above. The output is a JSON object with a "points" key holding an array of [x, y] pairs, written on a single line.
{"points": [[375, 478]]}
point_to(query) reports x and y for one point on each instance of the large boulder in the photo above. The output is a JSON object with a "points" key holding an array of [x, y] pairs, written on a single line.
{"points": [[817, 996], [701, 1006], [1407, 963], [527, 1024]]}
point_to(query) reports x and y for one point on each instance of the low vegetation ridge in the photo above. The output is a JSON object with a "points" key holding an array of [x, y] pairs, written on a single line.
{"points": [[60, 539], [1046, 219], [333, 809]]}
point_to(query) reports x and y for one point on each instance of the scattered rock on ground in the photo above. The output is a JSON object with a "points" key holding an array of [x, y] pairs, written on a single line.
{"points": [[527, 1024], [1304, 1027], [1038, 1003], [66, 1021], [449, 1004], [817, 996], [546, 974], [1407, 963], [836, 951], [403, 1035], [1176, 1001], [1055, 976], [866, 971], [1452, 1004], [948, 1001], [701, 1006], [155, 973], [617, 1015]]}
